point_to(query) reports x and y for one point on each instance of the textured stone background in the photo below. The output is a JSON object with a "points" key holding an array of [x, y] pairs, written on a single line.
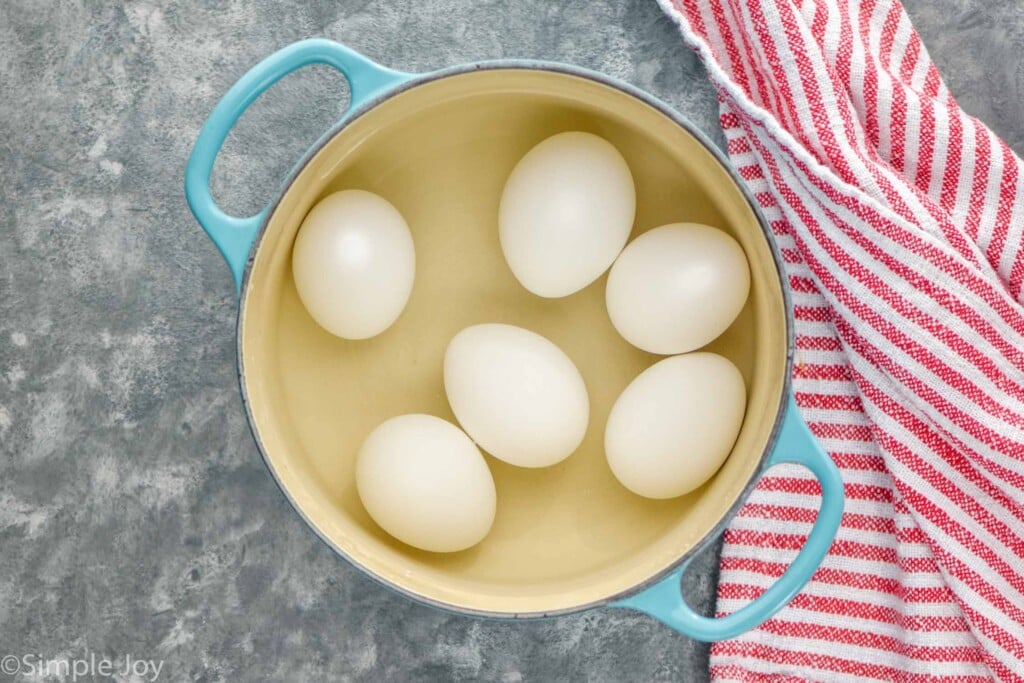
{"points": [[135, 514]]}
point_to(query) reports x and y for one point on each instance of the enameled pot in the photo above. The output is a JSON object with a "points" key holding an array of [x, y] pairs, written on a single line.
{"points": [[439, 146]]}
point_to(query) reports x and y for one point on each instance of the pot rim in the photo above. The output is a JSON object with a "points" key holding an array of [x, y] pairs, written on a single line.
{"points": [[416, 80]]}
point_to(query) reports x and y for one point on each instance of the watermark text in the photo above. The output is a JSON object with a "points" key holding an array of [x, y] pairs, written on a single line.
{"points": [[90, 666]]}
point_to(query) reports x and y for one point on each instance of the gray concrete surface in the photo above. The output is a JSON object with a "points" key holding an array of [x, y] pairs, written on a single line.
{"points": [[136, 518]]}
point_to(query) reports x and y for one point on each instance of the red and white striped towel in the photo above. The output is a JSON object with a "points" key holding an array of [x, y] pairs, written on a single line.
{"points": [[901, 222]]}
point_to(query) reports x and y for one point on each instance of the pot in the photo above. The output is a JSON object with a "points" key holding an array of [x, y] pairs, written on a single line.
{"points": [[439, 146]]}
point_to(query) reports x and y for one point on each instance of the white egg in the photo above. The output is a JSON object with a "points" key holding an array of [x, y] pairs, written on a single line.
{"points": [[675, 424], [425, 483], [678, 287], [354, 264], [566, 212], [516, 394]]}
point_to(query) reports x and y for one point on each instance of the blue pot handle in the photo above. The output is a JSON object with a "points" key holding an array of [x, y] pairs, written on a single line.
{"points": [[232, 235], [664, 600]]}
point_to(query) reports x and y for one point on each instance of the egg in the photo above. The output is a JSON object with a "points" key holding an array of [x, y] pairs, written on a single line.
{"points": [[676, 288], [675, 424], [354, 263], [516, 394], [425, 483], [566, 212]]}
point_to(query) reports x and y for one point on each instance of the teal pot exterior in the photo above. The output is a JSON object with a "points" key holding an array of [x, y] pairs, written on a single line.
{"points": [[370, 83]]}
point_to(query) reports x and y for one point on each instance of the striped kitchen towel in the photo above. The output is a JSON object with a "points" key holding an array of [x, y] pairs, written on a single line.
{"points": [[901, 220]]}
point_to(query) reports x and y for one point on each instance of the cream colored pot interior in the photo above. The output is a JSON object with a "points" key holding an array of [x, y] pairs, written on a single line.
{"points": [[566, 536]]}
